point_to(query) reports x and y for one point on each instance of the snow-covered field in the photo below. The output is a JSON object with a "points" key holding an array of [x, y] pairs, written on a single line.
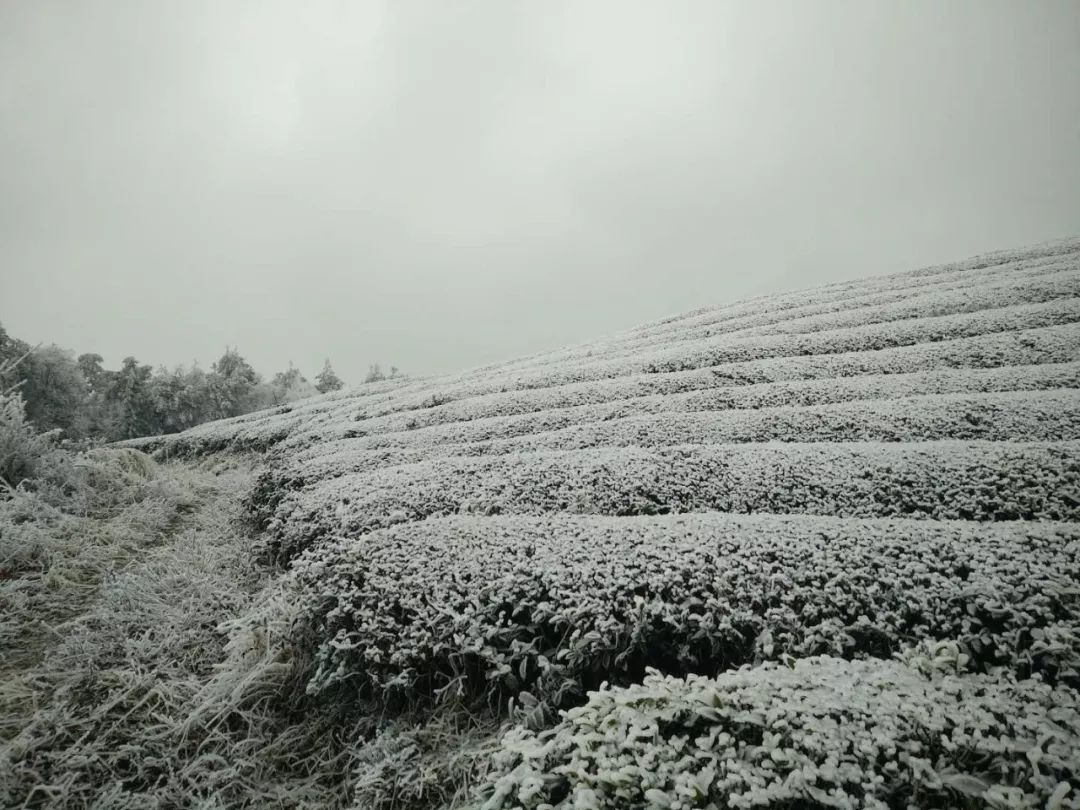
{"points": [[820, 548]]}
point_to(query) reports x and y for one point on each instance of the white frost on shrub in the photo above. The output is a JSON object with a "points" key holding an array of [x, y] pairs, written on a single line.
{"points": [[1020, 313], [536, 602], [1045, 283], [821, 733], [946, 480]]}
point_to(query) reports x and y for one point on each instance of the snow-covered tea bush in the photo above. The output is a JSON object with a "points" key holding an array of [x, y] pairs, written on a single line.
{"points": [[997, 416], [775, 312], [945, 480], [479, 426], [843, 308], [555, 605], [822, 732], [1018, 312]]}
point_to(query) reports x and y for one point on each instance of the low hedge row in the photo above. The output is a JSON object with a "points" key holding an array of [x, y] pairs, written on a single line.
{"points": [[953, 296], [871, 337], [822, 733], [1000, 415], [930, 480], [466, 401], [971, 272], [557, 604]]}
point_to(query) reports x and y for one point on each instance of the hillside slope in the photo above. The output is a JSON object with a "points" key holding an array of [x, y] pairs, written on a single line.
{"points": [[818, 549]]}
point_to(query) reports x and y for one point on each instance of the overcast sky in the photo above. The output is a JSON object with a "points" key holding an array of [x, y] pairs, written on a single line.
{"points": [[444, 184]]}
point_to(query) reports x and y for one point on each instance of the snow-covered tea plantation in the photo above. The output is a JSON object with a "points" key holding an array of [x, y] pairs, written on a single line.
{"points": [[819, 549]]}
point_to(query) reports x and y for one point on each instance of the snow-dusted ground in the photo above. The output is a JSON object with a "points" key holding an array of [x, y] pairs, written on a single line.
{"points": [[880, 469]]}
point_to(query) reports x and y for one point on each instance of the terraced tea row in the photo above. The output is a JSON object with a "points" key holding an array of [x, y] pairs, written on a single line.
{"points": [[724, 349], [975, 270], [965, 295], [555, 605], [1001, 416], [404, 406], [932, 480], [1059, 344], [765, 310], [822, 733], [1009, 416]]}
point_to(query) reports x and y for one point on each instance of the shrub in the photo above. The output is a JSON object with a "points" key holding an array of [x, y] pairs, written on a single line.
{"points": [[25, 454], [821, 733], [995, 416], [946, 480], [556, 605]]}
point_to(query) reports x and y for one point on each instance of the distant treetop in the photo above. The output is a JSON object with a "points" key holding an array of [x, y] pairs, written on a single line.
{"points": [[327, 380]]}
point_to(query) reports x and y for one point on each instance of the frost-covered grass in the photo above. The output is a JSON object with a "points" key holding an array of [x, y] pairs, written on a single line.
{"points": [[842, 525], [62, 537], [125, 690]]}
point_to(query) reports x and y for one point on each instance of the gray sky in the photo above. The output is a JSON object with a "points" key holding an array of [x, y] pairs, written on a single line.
{"points": [[443, 184]]}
